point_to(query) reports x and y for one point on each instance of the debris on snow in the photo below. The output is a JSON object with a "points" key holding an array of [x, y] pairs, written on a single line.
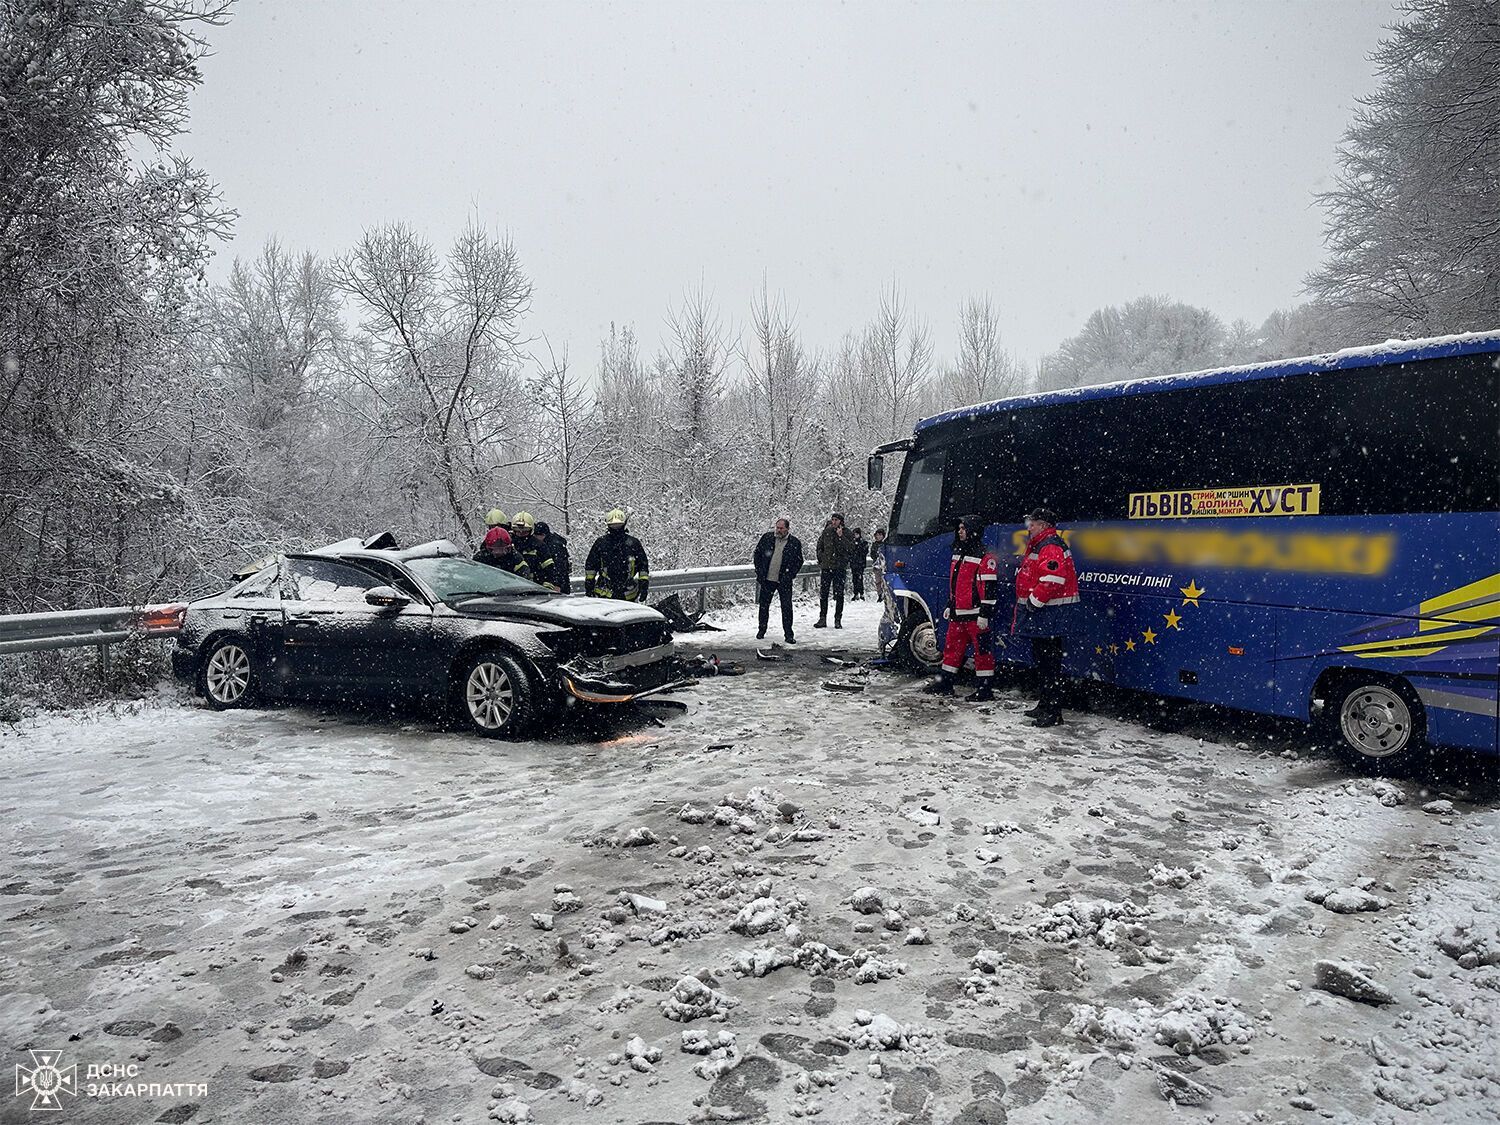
{"points": [[463, 925], [871, 967], [917, 935], [641, 904], [1350, 979], [692, 814], [866, 900], [1438, 808], [1352, 900], [817, 959], [638, 838], [760, 916], [691, 999], [722, 1053], [925, 815], [1003, 828], [1471, 943], [1187, 1024], [642, 1056], [480, 972], [760, 962], [1388, 794], [541, 921], [879, 1032], [565, 902], [1164, 876], [1175, 1086]]}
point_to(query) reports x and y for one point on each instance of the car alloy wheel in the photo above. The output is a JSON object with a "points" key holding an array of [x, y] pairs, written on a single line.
{"points": [[489, 695], [227, 676]]}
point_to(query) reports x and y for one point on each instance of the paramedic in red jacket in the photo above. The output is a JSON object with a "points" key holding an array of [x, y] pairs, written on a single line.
{"points": [[972, 589], [1046, 602]]}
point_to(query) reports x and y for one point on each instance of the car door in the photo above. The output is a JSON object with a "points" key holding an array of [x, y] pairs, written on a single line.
{"points": [[337, 643]]}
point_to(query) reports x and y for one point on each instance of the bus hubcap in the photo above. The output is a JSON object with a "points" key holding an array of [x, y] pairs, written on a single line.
{"points": [[1376, 721], [924, 644]]}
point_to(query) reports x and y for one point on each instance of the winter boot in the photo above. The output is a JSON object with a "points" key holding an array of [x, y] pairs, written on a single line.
{"points": [[1048, 719], [838, 622], [791, 640], [1035, 712], [820, 623], [984, 694], [943, 685], [761, 635]]}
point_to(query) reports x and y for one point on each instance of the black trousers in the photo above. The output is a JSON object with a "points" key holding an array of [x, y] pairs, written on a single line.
{"points": [[857, 573], [769, 590], [1047, 658], [831, 580]]}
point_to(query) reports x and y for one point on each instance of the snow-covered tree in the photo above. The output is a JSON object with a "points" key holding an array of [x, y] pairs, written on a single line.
{"points": [[1144, 337], [1413, 225]]}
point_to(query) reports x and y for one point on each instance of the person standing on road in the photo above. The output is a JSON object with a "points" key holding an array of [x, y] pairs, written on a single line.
{"points": [[858, 556], [617, 565], [877, 561], [973, 587], [778, 561], [556, 546], [833, 560], [1046, 604]]}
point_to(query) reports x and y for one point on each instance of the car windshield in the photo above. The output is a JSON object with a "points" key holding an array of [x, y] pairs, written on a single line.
{"points": [[451, 578]]}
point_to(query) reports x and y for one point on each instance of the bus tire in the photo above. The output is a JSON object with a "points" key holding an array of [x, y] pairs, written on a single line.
{"points": [[1377, 722], [916, 644]]}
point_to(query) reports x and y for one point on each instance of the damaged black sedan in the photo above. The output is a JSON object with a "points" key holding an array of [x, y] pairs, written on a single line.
{"points": [[364, 620]]}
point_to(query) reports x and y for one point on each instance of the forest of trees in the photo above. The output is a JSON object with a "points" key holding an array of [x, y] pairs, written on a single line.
{"points": [[157, 431]]}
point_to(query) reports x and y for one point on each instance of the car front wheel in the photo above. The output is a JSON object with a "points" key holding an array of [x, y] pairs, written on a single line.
{"points": [[1380, 723], [493, 695], [227, 676]]}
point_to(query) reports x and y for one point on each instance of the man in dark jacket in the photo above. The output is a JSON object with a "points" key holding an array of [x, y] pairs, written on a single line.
{"points": [[557, 547], [778, 561], [833, 560], [1046, 603], [858, 556], [617, 566]]}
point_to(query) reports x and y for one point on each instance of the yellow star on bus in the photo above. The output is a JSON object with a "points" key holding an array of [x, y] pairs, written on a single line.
{"points": [[1130, 645], [1172, 619], [1149, 637], [1191, 593], [1098, 650]]}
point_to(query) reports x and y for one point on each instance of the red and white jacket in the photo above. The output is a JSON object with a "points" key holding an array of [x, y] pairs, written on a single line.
{"points": [[1046, 576], [973, 582]]}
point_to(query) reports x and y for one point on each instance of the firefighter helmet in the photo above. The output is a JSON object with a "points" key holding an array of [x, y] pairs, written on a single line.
{"points": [[495, 518], [522, 520], [616, 518]]}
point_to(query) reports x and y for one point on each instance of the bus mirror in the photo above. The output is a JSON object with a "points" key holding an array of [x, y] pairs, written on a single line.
{"points": [[874, 472]]}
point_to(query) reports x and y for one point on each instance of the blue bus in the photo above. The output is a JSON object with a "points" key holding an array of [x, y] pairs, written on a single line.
{"points": [[1315, 538]]}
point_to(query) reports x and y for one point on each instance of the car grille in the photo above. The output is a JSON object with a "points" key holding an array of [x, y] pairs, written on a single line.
{"points": [[623, 639]]}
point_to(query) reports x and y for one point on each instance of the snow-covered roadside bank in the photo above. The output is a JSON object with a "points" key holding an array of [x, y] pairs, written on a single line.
{"points": [[859, 903]]}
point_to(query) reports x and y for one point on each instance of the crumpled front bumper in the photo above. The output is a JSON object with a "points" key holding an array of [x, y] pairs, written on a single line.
{"points": [[588, 682]]}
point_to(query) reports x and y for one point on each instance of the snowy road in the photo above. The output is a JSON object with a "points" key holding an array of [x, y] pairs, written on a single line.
{"points": [[327, 915]]}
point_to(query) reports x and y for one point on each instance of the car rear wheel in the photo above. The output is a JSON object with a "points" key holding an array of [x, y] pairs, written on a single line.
{"points": [[493, 695], [1379, 723], [227, 676]]}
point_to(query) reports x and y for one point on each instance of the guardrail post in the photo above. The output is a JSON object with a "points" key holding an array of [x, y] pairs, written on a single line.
{"points": [[702, 600]]}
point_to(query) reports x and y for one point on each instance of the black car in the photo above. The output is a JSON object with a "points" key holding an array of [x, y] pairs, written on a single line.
{"points": [[354, 620]]}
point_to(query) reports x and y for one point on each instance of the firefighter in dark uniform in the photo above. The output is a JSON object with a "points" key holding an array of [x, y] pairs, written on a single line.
{"points": [[617, 565], [498, 550], [556, 545], [539, 559]]}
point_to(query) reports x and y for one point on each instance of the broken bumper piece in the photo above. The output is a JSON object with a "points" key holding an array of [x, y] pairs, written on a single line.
{"points": [[592, 684]]}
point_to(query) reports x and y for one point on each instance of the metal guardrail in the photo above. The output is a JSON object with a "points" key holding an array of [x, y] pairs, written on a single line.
{"points": [[78, 628]]}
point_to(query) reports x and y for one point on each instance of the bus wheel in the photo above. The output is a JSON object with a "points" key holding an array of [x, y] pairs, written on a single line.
{"points": [[916, 644], [1380, 723]]}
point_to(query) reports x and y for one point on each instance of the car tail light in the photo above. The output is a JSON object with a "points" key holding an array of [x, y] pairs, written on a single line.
{"points": [[160, 619]]}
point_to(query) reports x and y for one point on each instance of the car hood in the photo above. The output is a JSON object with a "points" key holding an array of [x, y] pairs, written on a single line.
{"points": [[560, 609]]}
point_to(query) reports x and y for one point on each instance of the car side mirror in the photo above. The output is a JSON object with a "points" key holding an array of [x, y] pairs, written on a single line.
{"points": [[387, 597]]}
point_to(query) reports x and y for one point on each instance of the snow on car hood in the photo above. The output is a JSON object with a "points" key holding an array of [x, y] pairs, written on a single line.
{"points": [[565, 609]]}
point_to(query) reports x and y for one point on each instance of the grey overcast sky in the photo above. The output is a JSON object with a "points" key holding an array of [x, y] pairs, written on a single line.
{"points": [[1057, 156]]}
